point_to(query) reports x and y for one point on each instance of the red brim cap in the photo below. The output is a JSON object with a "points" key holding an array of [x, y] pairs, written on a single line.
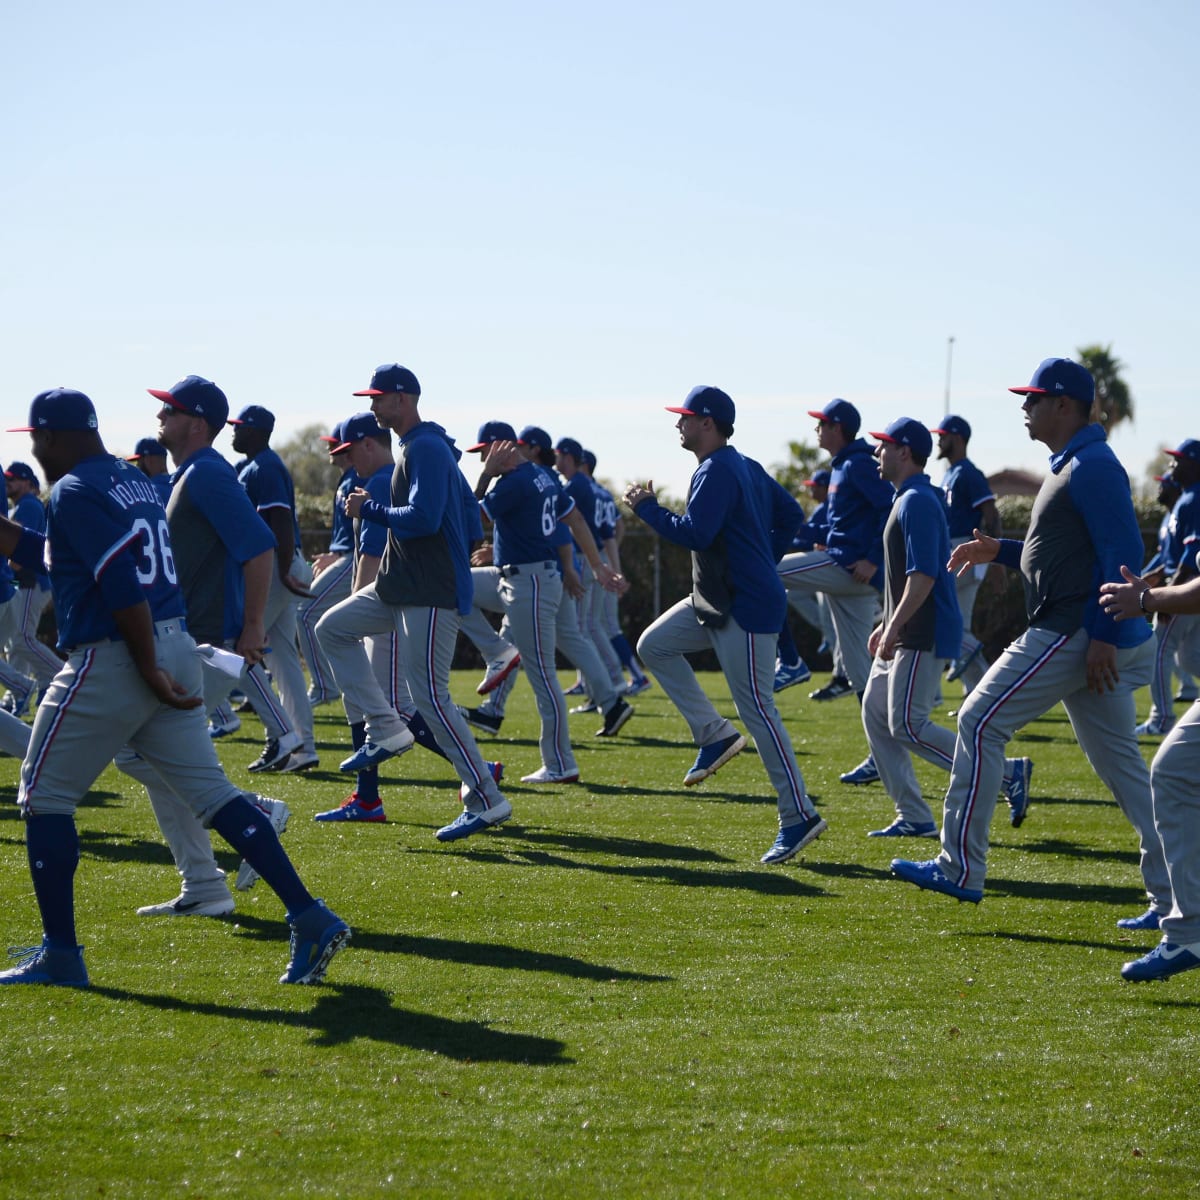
{"points": [[1029, 391], [340, 448], [883, 437], [478, 446], [326, 438], [369, 392], [687, 412], [1174, 453], [816, 413], [20, 429], [159, 394]]}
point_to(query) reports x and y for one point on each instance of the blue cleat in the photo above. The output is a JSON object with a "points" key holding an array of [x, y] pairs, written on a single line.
{"points": [[576, 689], [1148, 920], [865, 772], [793, 838], [467, 823], [929, 875], [353, 809], [901, 828], [1165, 960], [962, 662], [371, 754], [711, 758], [1016, 790], [786, 677], [636, 687], [317, 935], [48, 965]]}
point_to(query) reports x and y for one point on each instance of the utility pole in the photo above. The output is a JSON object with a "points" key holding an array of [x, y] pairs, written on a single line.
{"points": [[949, 364]]}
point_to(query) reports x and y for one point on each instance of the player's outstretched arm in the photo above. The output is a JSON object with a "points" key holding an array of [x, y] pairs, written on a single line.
{"points": [[1136, 597], [983, 549], [136, 627]]}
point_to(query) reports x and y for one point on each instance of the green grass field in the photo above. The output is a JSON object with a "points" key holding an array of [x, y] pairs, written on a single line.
{"points": [[610, 996]]}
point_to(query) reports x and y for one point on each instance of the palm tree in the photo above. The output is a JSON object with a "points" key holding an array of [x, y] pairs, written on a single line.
{"points": [[1113, 403]]}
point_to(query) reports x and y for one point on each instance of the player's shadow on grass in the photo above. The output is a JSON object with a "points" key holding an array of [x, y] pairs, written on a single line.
{"points": [[591, 843], [1043, 939], [352, 1013], [1067, 891], [1056, 846], [109, 846]]}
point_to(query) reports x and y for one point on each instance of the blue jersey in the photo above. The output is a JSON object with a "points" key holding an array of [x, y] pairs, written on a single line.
{"points": [[815, 531], [859, 503], [782, 511], [1183, 530], [526, 505], [30, 512], [8, 584], [372, 537], [162, 485], [269, 486], [725, 521], [917, 541], [341, 538], [106, 547], [579, 488], [965, 488], [605, 512]]}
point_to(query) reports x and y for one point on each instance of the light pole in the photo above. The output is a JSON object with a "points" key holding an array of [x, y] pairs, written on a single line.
{"points": [[949, 364]]}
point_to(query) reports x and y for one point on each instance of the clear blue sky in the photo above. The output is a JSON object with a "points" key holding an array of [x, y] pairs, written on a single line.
{"points": [[569, 214]]}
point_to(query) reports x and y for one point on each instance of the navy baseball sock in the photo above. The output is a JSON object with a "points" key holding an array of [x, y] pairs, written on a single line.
{"points": [[249, 832], [366, 786], [52, 843], [423, 735], [624, 651], [789, 656]]}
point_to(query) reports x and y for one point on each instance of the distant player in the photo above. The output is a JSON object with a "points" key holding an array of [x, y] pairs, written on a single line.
{"points": [[150, 457]]}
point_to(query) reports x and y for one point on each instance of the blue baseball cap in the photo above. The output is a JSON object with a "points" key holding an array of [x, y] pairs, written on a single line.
{"points": [[821, 478], [60, 409], [1060, 377], [533, 435], [333, 437], [840, 412], [198, 397], [954, 425], [357, 429], [704, 401], [570, 446], [256, 417], [905, 431], [148, 447], [492, 431], [1188, 448], [20, 470], [392, 377], [1167, 477], [589, 460]]}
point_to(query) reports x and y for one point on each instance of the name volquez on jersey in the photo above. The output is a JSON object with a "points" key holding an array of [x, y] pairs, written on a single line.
{"points": [[128, 492]]}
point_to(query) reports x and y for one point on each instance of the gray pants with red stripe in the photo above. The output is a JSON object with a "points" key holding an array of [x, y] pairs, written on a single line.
{"points": [[748, 661], [900, 696], [1037, 671], [1173, 777]]}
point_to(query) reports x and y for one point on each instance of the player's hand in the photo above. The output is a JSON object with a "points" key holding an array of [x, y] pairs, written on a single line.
{"points": [[502, 457], [970, 554], [1102, 675], [251, 643], [874, 640], [169, 691], [572, 584], [354, 502], [1123, 600], [636, 493], [609, 580], [864, 570], [323, 562], [294, 586], [481, 556]]}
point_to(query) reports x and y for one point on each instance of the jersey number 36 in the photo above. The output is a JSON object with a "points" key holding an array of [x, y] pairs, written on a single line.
{"points": [[156, 553]]}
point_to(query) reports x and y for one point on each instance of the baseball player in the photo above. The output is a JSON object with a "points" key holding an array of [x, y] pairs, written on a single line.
{"points": [[848, 571], [424, 585], [1082, 529], [791, 669], [736, 606], [1173, 776], [224, 558], [21, 688], [971, 506], [1177, 635], [333, 575], [27, 652], [150, 457], [132, 677], [270, 489]]}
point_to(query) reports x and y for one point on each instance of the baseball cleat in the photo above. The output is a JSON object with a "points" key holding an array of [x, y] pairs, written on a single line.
{"points": [[276, 752], [786, 677], [372, 753], [929, 875], [545, 775], [317, 935], [47, 964], [1016, 790], [636, 687], [468, 823], [901, 828], [835, 689], [498, 670], [615, 719], [713, 757], [220, 729], [353, 809], [588, 706], [1186, 695], [300, 760], [576, 689], [865, 772], [1154, 727], [1147, 920], [793, 838], [486, 721], [184, 906], [962, 662], [317, 698], [279, 814], [1165, 960]]}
